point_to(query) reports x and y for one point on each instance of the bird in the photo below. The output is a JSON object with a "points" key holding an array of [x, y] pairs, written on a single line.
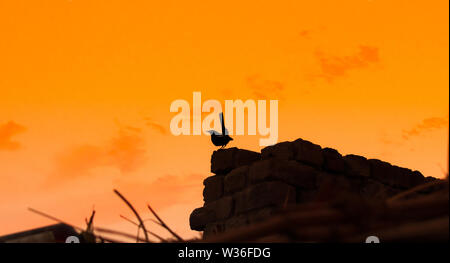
{"points": [[220, 139]]}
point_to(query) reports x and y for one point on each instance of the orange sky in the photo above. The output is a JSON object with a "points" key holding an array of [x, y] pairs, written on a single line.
{"points": [[86, 88]]}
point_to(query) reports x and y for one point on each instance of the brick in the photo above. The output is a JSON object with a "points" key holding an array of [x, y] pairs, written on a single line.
{"points": [[213, 229], [245, 157], [236, 222], [225, 160], [263, 195], [200, 217], [381, 171], [261, 170], [222, 161], [222, 208], [376, 191], [305, 195], [291, 172], [428, 179], [406, 178], [213, 188], [393, 175], [418, 178], [308, 152], [260, 215], [333, 161], [330, 185], [236, 179], [281, 151], [296, 174], [356, 165]]}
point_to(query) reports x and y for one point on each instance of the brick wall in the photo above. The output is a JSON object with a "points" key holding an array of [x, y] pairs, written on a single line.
{"points": [[248, 187]]}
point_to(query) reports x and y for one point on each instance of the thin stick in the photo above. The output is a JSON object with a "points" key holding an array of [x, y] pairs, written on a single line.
{"points": [[164, 224], [108, 239], [62, 222], [135, 213], [415, 190], [119, 233], [136, 224], [154, 221], [90, 222], [53, 218], [137, 234], [139, 227]]}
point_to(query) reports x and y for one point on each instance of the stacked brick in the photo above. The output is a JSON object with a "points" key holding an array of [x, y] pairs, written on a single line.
{"points": [[248, 187]]}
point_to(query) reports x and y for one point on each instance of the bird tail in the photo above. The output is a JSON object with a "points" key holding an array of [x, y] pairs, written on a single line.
{"points": [[222, 121]]}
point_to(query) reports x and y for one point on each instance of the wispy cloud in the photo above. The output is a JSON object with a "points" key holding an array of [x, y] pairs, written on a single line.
{"points": [[426, 125], [125, 151], [304, 33], [265, 89], [155, 126], [7, 131], [333, 66]]}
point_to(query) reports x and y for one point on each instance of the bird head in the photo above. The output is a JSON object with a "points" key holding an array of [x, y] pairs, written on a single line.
{"points": [[212, 132]]}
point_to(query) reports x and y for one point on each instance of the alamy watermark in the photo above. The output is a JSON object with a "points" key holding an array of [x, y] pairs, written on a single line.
{"points": [[256, 121]]}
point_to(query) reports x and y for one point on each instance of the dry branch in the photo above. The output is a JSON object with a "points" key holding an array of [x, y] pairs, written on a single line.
{"points": [[164, 224], [115, 232], [135, 213], [136, 224], [75, 227], [416, 189]]}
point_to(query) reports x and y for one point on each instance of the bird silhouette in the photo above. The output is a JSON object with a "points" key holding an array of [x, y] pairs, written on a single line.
{"points": [[220, 139]]}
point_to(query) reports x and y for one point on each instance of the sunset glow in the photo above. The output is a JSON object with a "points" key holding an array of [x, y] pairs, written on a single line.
{"points": [[86, 88]]}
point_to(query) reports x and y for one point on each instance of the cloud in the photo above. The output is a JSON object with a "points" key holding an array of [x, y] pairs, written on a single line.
{"points": [[304, 33], [155, 126], [133, 129], [333, 67], [426, 125], [7, 131], [265, 89], [125, 151]]}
